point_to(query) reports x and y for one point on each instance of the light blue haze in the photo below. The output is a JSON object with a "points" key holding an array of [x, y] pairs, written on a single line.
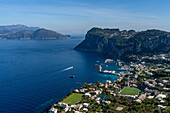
{"points": [[78, 16]]}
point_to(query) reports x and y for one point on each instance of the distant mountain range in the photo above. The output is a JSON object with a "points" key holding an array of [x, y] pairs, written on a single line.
{"points": [[122, 43], [18, 27], [23, 32]]}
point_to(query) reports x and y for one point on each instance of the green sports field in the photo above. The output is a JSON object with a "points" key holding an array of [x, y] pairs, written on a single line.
{"points": [[130, 91], [72, 99]]}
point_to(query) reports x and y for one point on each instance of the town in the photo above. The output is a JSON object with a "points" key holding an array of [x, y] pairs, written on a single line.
{"points": [[145, 88]]}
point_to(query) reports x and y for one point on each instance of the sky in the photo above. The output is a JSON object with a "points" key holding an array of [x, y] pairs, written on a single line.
{"points": [[78, 16]]}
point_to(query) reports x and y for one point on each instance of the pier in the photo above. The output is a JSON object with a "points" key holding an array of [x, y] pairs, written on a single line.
{"points": [[99, 69], [108, 60]]}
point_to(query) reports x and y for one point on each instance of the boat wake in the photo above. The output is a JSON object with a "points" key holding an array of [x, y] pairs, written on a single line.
{"points": [[68, 68]]}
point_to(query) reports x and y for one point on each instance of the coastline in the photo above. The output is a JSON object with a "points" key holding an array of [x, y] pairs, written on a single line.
{"points": [[120, 95], [99, 71]]}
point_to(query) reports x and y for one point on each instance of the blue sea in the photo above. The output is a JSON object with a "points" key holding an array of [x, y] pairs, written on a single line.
{"points": [[34, 74]]}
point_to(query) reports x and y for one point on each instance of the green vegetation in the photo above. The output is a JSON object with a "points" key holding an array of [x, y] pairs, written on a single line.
{"points": [[168, 109], [142, 74], [103, 97], [109, 100], [73, 98], [130, 91]]}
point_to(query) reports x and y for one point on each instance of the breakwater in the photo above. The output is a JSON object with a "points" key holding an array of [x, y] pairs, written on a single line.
{"points": [[99, 69]]}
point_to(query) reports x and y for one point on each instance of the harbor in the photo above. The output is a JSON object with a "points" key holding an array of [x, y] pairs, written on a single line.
{"points": [[99, 68]]}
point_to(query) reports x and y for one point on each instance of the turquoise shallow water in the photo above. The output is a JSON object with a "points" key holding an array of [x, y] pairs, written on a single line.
{"points": [[34, 75]]}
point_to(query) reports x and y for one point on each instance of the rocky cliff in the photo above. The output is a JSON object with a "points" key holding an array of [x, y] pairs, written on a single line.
{"points": [[119, 43]]}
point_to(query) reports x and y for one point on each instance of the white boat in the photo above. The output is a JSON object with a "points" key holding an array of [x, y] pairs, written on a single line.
{"points": [[68, 68]]}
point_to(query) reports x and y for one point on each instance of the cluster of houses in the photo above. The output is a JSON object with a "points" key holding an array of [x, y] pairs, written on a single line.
{"points": [[67, 108], [90, 93], [141, 98], [154, 57], [158, 57], [149, 90], [138, 66], [159, 97], [152, 83], [93, 94]]}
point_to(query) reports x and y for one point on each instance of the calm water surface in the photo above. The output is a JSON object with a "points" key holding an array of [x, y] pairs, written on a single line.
{"points": [[33, 75]]}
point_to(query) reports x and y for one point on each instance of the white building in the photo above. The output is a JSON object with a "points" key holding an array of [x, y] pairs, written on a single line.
{"points": [[66, 109], [85, 104], [138, 100], [150, 97], [160, 96], [162, 58], [79, 106], [87, 95], [164, 81], [149, 73], [167, 70], [160, 84], [161, 107], [107, 102], [53, 110], [148, 84], [108, 81], [85, 109]]}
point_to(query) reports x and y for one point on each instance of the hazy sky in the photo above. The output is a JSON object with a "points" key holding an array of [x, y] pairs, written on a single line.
{"points": [[78, 16]]}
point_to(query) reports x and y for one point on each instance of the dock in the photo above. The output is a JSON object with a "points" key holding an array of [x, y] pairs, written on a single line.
{"points": [[99, 69], [108, 60], [110, 73]]}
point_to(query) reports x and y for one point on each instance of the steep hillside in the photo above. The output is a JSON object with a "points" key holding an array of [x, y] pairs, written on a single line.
{"points": [[120, 43]]}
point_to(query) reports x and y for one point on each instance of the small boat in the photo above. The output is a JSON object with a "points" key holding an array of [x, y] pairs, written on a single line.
{"points": [[72, 76]]}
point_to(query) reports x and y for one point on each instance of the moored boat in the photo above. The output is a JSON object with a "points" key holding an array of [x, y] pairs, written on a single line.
{"points": [[72, 76]]}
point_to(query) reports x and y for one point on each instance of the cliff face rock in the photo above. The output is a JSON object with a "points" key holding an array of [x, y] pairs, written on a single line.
{"points": [[23, 32], [119, 43]]}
